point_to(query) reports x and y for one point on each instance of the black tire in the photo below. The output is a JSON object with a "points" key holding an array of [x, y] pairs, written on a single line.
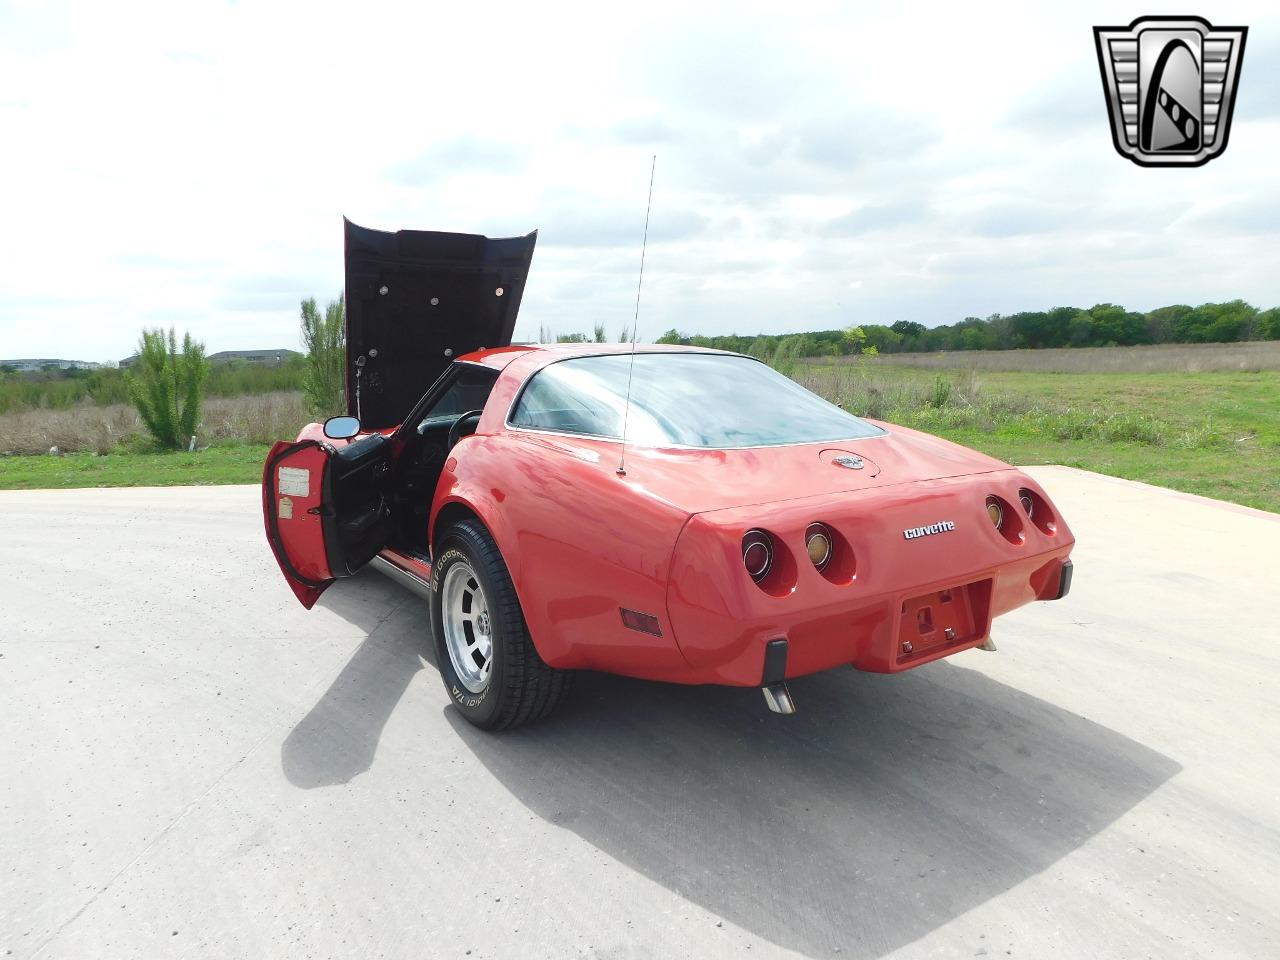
{"points": [[521, 687]]}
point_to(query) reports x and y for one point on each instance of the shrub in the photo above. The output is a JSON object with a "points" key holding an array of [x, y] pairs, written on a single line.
{"points": [[325, 339], [941, 395], [167, 386]]}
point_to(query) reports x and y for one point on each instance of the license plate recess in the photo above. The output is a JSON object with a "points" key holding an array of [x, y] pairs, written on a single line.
{"points": [[944, 619]]}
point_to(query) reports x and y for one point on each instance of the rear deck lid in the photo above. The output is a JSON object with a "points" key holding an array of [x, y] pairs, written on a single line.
{"points": [[415, 299]]}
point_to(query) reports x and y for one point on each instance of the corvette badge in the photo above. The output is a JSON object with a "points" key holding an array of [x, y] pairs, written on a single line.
{"points": [[942, 526]]}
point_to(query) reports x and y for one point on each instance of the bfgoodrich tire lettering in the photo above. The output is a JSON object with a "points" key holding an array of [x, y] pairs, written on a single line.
{"points": [[521, 687]]}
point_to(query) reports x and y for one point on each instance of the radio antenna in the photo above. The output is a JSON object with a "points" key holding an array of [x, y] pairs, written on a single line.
{"points": [[635, 323]]}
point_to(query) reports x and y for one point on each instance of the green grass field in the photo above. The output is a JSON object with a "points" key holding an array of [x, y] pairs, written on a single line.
{"points": [[1215, 434], [239, 463]]}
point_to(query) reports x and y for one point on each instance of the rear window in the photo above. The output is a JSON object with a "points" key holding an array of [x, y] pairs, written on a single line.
{"points": [[681, 399]]}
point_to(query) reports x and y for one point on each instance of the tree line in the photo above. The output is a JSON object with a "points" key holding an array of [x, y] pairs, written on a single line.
{"points": [[1102, 325], [58, 389], [171, 378]]}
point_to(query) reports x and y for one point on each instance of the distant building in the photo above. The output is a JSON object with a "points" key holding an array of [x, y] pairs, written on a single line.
{"points": [[29, 366], [266, 358]]}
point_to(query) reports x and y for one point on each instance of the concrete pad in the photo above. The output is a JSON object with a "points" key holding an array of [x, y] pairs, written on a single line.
{"points": [[194, 765]]}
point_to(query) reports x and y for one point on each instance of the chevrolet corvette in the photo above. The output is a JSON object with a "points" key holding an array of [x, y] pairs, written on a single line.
{"points": [[669, 513]]}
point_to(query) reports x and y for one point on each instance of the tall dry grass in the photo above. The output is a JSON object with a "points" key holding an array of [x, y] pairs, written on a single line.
{"points": [[262, 418], [1252, 357]]}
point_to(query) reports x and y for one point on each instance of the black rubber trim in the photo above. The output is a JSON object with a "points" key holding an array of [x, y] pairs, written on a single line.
{"points": [[1064, 584], [775, 662]]}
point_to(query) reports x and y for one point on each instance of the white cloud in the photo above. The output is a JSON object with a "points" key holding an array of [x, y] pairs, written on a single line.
{"points": [[818, 164]]}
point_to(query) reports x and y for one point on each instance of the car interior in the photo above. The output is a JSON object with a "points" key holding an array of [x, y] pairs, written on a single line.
{"points": [[450, 411], [359, 475], [378, 503]]}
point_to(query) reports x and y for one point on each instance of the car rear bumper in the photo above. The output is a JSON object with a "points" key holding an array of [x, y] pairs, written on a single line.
{"points": [[899, 603]]}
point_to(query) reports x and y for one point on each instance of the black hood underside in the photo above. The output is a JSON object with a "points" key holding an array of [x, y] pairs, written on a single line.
{"points": [[415, 300]]}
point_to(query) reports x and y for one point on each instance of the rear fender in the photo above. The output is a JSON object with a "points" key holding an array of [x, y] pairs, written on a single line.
{"points": [[484, 506], [457, 488], [582, 545]]}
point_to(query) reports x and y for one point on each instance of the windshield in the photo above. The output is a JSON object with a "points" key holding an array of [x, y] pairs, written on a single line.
{"points": [[682, 399], [469, 391]]}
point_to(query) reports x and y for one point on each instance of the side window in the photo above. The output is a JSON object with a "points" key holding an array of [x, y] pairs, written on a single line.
{"points": [[564, 398], [469, 391]]}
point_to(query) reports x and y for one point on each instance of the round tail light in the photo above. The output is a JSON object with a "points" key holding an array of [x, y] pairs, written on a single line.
{"points": [[1028, 503], [817, 541], [995, 512], [757, 554], [1038, 511]]}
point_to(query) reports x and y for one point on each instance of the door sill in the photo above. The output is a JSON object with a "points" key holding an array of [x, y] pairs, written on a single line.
{"points": [[405, 577]]}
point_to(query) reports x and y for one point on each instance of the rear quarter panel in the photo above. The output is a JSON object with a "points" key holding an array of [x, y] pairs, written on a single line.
{"points": [[580, 542]]}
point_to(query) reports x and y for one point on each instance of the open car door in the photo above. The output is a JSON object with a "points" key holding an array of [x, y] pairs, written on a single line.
{"points": [[327, 510]]}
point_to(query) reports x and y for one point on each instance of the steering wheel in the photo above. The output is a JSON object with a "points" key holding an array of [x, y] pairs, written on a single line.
{"points": [[455, 432]]}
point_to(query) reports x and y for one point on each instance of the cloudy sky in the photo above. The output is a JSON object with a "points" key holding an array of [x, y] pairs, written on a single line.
{"points": [[189, 163]]}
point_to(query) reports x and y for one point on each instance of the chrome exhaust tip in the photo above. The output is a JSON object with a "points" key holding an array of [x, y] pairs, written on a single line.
{"points": [[778, 698]]}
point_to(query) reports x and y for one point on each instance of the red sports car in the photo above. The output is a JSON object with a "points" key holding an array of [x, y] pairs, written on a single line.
{"points": [[669, 513]]}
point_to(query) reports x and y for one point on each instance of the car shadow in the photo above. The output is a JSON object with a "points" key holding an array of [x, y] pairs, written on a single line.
{"points": [[338, 738], [888, 806]]}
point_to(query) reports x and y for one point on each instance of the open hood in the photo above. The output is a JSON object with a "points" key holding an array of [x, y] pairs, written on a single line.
{"points": [[415, 300]]}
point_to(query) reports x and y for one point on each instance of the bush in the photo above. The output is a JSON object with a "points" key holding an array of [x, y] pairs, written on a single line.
{"points": [[325, 339], [941, 395], [167, 386]]}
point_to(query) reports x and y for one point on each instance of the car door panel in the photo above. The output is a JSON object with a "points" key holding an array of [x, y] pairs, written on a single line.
{"points": [[327, 511], [292, 503]]}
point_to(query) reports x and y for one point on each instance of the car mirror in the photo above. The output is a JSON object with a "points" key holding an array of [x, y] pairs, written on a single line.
{"points": [[341, 428]]}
